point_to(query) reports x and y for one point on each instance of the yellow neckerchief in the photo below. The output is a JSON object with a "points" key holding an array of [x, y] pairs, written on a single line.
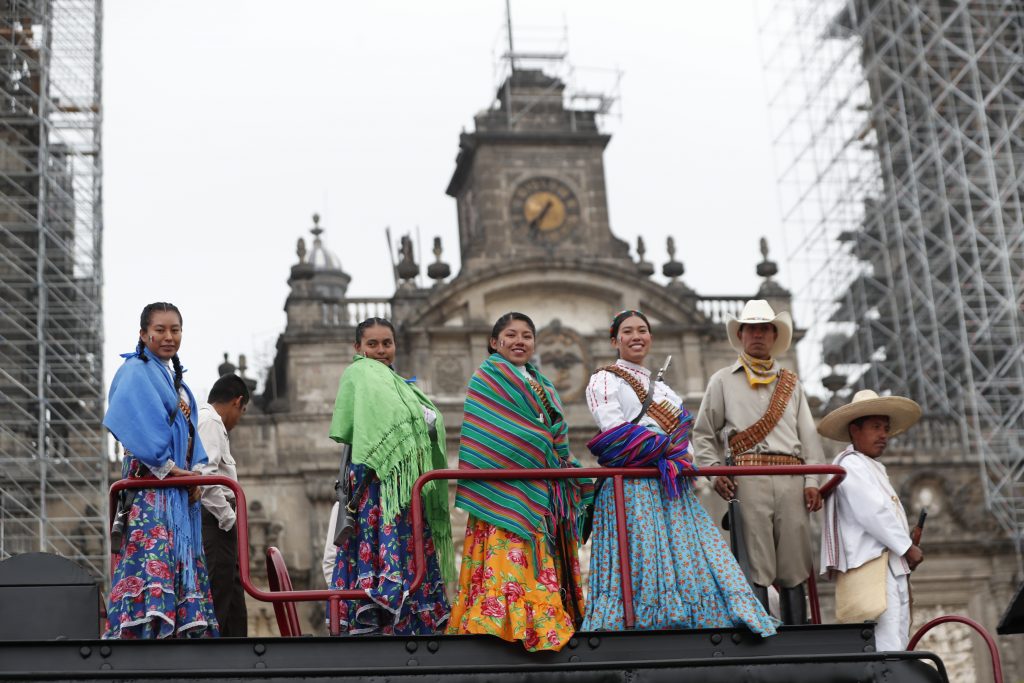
{"points": [[758, 371]]}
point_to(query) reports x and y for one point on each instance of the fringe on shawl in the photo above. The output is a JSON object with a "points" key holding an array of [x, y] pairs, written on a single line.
{"points": [[400, 456]]}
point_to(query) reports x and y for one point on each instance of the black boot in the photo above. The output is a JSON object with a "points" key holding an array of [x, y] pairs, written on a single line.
{"points": [[793, 605], [761, 593]]}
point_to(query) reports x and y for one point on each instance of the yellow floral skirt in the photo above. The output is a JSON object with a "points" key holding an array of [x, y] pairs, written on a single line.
{"points": [[505, 590]]}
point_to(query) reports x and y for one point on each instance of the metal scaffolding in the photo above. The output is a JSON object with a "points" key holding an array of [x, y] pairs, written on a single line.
{"points": [[898, 129], [53, 464]]}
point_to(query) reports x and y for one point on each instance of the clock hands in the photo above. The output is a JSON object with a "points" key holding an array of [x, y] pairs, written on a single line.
{"points": [[535, 223]]}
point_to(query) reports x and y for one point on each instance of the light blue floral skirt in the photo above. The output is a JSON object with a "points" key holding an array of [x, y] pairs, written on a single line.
{"points": [[683, 573]]}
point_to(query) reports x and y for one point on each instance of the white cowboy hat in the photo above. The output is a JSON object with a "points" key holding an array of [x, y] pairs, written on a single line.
{"points": [[758, 311], [902, 414]]}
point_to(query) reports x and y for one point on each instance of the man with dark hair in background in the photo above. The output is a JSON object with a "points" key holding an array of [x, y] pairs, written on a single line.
{"points": [[225, 406]]}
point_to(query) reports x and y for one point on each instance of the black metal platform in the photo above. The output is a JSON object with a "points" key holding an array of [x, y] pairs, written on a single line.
{"points": [[809, 653]]}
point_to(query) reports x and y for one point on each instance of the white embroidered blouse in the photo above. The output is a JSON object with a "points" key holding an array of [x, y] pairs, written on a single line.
{"points": [[612, 400]]}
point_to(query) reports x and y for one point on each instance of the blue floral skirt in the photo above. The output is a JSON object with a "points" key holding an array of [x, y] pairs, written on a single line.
{"points": [[377, 558], [683, 573], [148, 595]]}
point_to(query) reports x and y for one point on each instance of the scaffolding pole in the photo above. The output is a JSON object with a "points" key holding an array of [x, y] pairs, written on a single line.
{"points": [[898, 135], [53, 464]]}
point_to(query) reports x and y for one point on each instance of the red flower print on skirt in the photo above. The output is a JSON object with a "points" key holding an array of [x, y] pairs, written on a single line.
{"points": [[532, 640], [514, 591], [158, 568], [492, 607], [517, 556], [129, 585], [549, 578]]}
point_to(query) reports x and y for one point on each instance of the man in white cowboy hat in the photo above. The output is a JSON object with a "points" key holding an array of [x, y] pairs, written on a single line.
{"points": [[864, 518], [758, 412]]}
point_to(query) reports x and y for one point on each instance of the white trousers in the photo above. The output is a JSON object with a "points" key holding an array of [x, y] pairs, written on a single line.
{"points": [[893, 629]]}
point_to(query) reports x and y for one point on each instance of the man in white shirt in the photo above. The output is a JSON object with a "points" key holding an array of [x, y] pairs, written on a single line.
{"points": [[864, 517], [225, 406]]}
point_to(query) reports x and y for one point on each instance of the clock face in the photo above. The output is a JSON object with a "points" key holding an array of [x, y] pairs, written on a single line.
{"points": [[545, 209]]}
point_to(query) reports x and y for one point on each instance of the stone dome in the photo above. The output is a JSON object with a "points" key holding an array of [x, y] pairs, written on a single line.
{"points": [[320, 257]]}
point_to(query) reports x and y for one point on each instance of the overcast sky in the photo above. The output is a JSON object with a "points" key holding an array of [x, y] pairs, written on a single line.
{"points": [[228, 124]]}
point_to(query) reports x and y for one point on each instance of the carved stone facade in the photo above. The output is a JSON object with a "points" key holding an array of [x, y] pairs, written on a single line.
{"points": [[535, 237]]}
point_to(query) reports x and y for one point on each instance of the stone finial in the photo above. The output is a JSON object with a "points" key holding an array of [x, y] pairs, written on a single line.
{"points": [[300, 251], [645, 267], [407, 267], [673, 268], [225, 368], [769, 289], [242, 367], [317, 231], [438, 270], [766, 268]]}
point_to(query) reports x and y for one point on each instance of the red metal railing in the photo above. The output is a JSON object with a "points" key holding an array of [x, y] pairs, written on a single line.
{"points": [[617, 475], [993, 650], [334, 597]]}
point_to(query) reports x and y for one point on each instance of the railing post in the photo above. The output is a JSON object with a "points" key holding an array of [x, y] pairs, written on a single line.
{"points": [[622, 541], [334, 609], [993, 649]]}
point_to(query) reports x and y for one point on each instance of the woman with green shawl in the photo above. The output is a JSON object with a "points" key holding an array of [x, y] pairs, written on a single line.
{"points": [[396, 435], [520, 577]]}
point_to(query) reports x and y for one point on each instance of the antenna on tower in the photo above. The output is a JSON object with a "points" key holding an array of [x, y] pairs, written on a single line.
{"points": [[508, 24], [545, 50]]}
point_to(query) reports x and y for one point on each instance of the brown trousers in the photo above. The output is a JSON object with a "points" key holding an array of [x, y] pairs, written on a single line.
{"points": [[776, 529]]}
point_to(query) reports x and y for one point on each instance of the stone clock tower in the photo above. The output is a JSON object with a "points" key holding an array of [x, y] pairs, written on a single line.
{"points": [[529, 181]]}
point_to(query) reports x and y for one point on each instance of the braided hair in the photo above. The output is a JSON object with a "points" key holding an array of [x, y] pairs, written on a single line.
{"points": [[372, 322], [144, 321]]}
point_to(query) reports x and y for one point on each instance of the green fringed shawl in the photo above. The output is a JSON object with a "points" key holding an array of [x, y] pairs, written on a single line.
{"points": [[379, 414]]}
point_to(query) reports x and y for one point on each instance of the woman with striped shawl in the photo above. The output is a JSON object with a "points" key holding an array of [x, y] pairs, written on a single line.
{"points": [[682, 572], [520, 577]]}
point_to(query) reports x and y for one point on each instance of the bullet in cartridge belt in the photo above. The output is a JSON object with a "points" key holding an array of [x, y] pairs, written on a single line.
{"points": [[764, 459]]}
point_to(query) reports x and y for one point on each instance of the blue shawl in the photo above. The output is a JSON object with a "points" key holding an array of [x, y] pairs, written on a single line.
{"points": [[144, 416]]}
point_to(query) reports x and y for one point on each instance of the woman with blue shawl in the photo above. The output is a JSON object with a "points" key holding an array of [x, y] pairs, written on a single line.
{"points": [[160, 587], [683, 573]]}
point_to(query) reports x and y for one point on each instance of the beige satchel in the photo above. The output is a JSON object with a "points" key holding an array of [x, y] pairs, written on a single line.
{"points": [[860, 592]]}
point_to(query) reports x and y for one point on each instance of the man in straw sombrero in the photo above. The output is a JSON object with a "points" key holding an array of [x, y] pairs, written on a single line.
{"points": [[757, 412], [865, 537]]}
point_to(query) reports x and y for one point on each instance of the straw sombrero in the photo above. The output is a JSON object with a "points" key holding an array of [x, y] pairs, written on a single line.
{"points": [[759, 311], [902, 414]]}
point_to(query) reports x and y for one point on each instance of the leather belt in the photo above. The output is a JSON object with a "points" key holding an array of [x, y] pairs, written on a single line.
{"points": [[765, 459]]}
